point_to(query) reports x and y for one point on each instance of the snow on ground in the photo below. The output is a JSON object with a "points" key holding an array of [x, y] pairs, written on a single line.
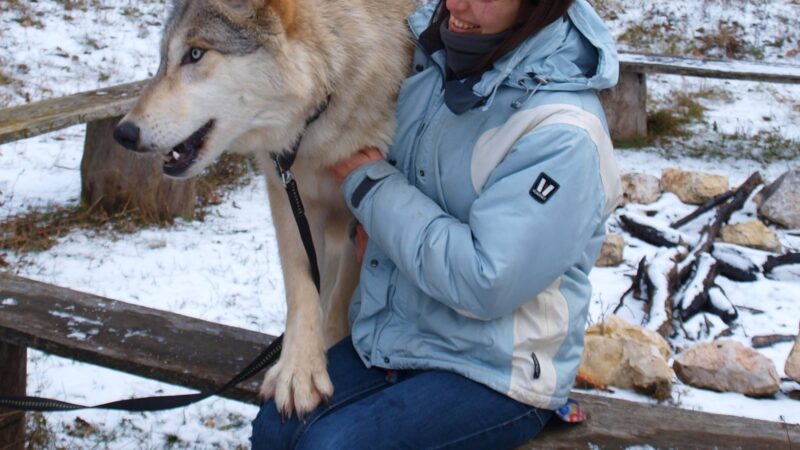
{"points": [[225, 269]]}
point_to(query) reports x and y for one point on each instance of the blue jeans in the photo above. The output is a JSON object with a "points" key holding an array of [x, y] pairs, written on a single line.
{"points": [[415, 409]]}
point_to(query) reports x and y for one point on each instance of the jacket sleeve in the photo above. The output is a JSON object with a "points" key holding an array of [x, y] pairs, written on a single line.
{"points": [[513, 245]]}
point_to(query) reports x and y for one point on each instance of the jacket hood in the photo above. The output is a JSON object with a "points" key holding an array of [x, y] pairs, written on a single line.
{"points": [[573, 54]]}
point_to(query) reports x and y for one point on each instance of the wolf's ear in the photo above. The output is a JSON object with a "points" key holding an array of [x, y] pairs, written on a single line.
{"points": [[286, 12], [242, 8], [283, 10]]}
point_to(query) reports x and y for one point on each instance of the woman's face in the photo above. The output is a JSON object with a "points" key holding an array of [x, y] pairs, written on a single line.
{"points": [[482, 16]]}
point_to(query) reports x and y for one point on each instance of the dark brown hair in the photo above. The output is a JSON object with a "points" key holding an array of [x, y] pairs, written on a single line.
{"points": [[534, 15]]}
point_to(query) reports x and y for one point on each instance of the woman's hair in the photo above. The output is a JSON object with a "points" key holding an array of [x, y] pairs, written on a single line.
{"points": [[534, 15]]}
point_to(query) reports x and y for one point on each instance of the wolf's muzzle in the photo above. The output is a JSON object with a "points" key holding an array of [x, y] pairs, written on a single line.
{"points": [[127, 134]]}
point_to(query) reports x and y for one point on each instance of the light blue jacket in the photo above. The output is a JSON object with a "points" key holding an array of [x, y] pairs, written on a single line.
{"points": [[483, 226]]}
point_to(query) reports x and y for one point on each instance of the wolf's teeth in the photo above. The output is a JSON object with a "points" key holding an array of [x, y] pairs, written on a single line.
{"points": [[175, 155]]}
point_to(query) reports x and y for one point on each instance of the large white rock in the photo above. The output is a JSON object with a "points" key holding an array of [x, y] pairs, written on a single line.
{"points": [[640, 188], [781, 200], [612, 251], [752, 234], [693, 187], [792, 367], [727, 366], [617, 353]]}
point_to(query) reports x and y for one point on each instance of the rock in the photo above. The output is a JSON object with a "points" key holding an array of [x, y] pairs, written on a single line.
{"points": [[617, 353], [611, 253], [792, 367], [727, 366], [780, 202], [752, 234], [693, 187], [640, 188]]}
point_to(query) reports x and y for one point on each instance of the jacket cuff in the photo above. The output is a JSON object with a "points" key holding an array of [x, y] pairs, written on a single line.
{"points": [[361, 181]]}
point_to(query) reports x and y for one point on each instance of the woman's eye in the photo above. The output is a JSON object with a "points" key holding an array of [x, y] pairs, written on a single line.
{"points": [[193, 55]]}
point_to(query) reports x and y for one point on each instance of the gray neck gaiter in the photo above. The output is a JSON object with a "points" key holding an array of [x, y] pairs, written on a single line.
{"points": [[466, 51]]}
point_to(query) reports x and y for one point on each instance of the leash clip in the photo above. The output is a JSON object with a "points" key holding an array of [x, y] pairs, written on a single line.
{"points": [[285, 174]]}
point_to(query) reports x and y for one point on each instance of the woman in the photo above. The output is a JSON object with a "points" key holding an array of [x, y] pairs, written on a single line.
{"points": [[483, 224]]}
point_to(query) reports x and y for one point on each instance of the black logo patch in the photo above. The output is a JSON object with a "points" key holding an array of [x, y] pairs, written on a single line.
{"points": [[543, 188], [537, 369]]}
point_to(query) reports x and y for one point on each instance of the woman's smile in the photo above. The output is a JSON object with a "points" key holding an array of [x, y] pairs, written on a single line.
{"points": [[461, 26]]}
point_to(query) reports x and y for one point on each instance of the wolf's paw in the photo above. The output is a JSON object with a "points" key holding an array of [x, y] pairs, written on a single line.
{"points": [[298, 384]]}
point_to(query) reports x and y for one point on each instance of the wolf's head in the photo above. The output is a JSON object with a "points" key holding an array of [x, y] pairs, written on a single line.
{"points": [[232, 72]]}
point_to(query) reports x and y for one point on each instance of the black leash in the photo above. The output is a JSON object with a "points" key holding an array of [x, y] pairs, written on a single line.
{"points": [[283, 163], [159, 403]]}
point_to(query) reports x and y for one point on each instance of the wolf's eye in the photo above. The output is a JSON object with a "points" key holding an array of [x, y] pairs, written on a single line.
{"points": [[193, 55]]}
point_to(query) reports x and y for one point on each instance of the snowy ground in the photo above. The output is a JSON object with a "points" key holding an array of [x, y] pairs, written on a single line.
{"points": [[226, 268]]}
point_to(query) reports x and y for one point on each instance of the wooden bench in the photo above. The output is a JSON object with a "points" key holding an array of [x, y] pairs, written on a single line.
{"points": [[164, 346], [625, 104]]}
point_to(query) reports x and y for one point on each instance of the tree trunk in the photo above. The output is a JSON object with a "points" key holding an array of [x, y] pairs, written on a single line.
{"points": [[625, 106], [120, 180], [13, 369]]}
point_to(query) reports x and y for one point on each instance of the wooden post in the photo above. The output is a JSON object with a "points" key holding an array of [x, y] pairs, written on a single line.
{"points": [[626, 108], [13, 364], [118, 179]]}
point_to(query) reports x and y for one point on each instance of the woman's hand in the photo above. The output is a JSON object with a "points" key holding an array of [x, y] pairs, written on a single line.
{"points": [[344, 167], [361, 240], [340, 171]]}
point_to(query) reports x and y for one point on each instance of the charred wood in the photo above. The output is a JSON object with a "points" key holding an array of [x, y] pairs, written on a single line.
{"points": [[651, 232], [662, 274], [725, 211], [732, 263], [640, 286], [694, 295], [782, 260], [719, 304], [771, 339], [705, 207], [711, 231]]}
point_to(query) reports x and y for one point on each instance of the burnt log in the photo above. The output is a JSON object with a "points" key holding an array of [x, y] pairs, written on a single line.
{"points": [[640, 286], [771, 339], [725, 211], [662, 275], [711, 231], [719, 304], [694, 295], [705, 207], [733, 264], [651, 231], [782, 260]]}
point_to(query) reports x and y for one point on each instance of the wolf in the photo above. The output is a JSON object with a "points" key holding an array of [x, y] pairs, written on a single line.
{"points": [[245, 76]]}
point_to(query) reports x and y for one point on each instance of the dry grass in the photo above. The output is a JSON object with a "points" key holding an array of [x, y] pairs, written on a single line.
{"points": [[40, 230], [727, 40]]}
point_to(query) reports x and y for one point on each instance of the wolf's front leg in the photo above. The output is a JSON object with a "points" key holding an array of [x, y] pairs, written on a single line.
{"points": [[299, 381]]}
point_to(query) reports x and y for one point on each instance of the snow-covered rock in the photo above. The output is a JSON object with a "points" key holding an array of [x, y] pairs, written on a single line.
{"points": [[780, 202], [611, 252], [617, 353], [693, 187], [752, 234], [727, 366], [640, 188]]}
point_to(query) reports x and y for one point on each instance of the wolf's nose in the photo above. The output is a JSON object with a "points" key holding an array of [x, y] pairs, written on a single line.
{"points": [[127, 134]]}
